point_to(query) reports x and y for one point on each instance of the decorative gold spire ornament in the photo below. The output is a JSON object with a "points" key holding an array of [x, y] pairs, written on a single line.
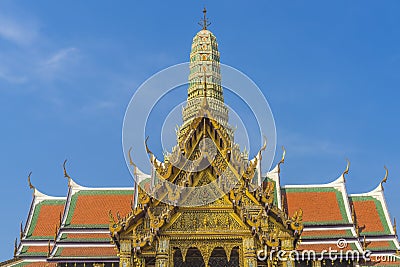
{"points": [[29, 181], [384, 180], [15, 247], [346, 171], [395, 227], [48, 249], [21, 231], [282, 159], [66, 173], [240, 217], [364, 243], [204, 22]]}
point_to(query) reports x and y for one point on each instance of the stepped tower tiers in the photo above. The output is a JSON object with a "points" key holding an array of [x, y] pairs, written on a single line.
{"points": [[204, 210], [204, 80]]}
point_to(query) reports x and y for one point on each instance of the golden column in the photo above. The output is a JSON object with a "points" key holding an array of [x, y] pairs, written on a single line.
{"points": [[125, 253], [249, 252], [162, 256]]}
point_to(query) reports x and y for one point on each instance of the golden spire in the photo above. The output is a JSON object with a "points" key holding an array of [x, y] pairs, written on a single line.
{"points": [[395, 227], [204, 23]]}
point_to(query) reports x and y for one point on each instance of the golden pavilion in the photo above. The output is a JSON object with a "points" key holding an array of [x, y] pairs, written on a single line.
{"points": [[245, 225]]}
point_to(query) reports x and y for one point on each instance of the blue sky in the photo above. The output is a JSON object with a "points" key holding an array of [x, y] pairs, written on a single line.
{"points": [[329, 69]]}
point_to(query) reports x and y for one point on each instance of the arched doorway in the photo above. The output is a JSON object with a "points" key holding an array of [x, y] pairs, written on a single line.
{"points": [[220, 259], [193, 258]]}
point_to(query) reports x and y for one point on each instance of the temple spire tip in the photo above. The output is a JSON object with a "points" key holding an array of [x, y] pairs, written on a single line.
{"points": [[204, 22]]}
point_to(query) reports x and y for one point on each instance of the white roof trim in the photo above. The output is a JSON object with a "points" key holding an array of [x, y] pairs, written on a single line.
{"points": [[275, 176]]}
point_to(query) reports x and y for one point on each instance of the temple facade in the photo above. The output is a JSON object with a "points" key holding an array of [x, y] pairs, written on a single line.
{"points": [[207, 204]]}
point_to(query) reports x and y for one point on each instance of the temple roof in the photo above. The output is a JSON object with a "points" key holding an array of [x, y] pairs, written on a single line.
{"points": [[334, 209], [89, 207], [372, 213], [84, 227]]}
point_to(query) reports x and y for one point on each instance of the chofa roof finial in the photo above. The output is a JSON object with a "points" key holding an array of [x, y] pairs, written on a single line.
{"points": [[29, 181], [66, 173], [384, 180], [15, 247], [346, 171], [21, 231], [282, 159]]}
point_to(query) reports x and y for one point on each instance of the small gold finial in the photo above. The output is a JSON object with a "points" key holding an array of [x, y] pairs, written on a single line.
{"points": [[204, 23], [48, 249], [353, 214], [130, 158], [282, 159], [365, 243], [29, 181], [15, 247], [132, 163], [56, 233], [346, 171], [384, 180], [395, 227], [21, 231], [264, 144], [147, 147], [66, 173]]}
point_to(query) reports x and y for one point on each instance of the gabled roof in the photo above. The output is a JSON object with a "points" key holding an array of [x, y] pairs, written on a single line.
{"points": [[85, 237], [324, 204], [89, 207], [34, 251], [372, 214], [86, 252], [43, 216], [40, 229]]}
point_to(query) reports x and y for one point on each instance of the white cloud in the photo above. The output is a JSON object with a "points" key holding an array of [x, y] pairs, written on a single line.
{"points": [[18, 31], [56, 65], [97, 106], [12, 78], [60, 57]]}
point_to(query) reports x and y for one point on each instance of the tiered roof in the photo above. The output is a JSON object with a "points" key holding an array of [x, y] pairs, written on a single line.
{"points": [[72, 228], [330, 214], [76, 228]]}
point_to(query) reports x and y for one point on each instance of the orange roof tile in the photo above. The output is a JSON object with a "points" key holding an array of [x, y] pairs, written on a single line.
{"points": [[40, 264], [326, 233], [317, 206], [38, 249], [45, 217], [87, 252], [368, 216], [86, 236], [47, 220], [92, 207], [381, 245]]}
